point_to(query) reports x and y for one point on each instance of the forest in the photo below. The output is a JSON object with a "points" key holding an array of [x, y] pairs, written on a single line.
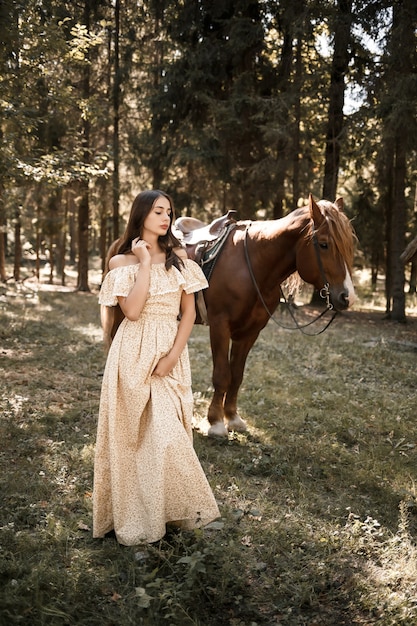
{"points": [[246, 105], [225, 104]]}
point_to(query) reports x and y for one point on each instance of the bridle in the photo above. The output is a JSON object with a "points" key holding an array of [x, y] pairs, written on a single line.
{"points": [[324, 291]]}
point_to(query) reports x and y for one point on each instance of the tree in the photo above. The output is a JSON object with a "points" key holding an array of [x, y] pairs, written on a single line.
{"points": [[116, 120], [284, 89], [84, 202], [335, 124], [8, 39], [398, 113], [208, 107]]}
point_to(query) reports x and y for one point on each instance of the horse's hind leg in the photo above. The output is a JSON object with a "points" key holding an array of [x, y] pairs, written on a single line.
{"points": [[239, 353]]}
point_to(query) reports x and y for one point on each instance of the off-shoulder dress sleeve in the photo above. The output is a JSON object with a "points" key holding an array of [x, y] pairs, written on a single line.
{"points": [[194, 277], [117, 282]]}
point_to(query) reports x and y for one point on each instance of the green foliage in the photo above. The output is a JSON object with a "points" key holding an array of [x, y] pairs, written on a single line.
{"points": [[40, 103], [223, 104]]}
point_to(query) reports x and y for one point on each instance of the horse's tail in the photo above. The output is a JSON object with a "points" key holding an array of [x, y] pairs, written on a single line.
{"points": [[110, 316]]}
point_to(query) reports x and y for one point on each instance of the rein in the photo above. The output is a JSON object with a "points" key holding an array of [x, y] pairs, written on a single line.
{"points": [[324, 293]]}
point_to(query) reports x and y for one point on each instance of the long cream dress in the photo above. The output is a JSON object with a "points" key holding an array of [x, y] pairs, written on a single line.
{"points": [[146, 472]]}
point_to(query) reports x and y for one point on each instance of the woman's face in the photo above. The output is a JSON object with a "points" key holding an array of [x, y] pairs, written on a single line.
{"points": [[158, 220]]}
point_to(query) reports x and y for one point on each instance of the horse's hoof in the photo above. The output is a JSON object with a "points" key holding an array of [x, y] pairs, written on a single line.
{"points": [[217, 430], [237, 424]]}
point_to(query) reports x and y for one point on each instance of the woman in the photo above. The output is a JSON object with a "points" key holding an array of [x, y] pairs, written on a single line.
{"points": [[146, 472]]}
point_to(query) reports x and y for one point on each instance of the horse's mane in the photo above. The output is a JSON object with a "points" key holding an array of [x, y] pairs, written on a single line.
{"points": [[341, 232], [340, 229]]}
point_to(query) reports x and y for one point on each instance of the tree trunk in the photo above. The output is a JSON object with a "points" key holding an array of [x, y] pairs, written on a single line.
{"points": [[38, 235], [83, 224], [51, 259], [398, 233], [62, 238], [374, 276], [284, 86], [388, 203], [107, 205], [17, 245], [399, 123], [413, 277], [72, 228], [297, 125], [335, 122], [158, 60], [84, 202], [9, 63], [3, 223], [116, 119]]}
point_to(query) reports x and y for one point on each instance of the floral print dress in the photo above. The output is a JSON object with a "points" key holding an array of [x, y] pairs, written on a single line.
{"points": [[146, 472]]}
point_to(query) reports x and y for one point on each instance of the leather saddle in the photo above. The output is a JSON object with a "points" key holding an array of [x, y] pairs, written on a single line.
{"points": [[203, 243], [197, 236], [194, 231]]}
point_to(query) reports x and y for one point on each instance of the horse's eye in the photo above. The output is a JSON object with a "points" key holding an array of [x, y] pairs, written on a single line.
{"points": [[324, 245]]}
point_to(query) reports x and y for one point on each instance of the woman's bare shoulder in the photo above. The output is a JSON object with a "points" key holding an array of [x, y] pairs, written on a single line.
{"points": [[121, 260]]}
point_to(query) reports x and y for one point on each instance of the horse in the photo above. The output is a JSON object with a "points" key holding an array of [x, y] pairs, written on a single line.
{"points": [[315, 242]]}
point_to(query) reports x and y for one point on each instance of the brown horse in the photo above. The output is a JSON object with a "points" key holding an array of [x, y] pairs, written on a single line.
{"points": [[316, 241]]}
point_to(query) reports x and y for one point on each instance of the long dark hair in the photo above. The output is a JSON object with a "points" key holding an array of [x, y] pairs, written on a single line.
{"points": [[141, 207]]}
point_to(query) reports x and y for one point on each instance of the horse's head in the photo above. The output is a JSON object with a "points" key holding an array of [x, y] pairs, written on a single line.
{"points": [[325, 254]]}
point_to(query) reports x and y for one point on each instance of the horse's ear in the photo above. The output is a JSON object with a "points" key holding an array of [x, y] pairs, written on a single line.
{"points": [[340, 204], [315, 213]]}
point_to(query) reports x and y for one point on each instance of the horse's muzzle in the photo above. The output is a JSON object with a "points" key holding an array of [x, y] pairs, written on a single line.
{"points": [[341, 300]]}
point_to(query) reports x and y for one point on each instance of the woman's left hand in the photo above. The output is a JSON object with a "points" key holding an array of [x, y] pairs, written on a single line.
{"points": [[164, 366]]}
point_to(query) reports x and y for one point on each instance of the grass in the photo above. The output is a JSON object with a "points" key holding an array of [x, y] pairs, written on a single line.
{"points": [[318, 499]]}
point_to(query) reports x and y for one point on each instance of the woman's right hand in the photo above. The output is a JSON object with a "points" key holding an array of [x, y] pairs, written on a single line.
{"points": [[140, 249]]}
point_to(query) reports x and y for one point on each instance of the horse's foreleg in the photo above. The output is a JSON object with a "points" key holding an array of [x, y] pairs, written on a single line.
{"points": [[239, 353], [219, 339]]}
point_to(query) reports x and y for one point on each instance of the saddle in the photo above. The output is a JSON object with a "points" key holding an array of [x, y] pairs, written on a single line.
{"points": [[194, 230], [197, 235], [203, 243]]}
